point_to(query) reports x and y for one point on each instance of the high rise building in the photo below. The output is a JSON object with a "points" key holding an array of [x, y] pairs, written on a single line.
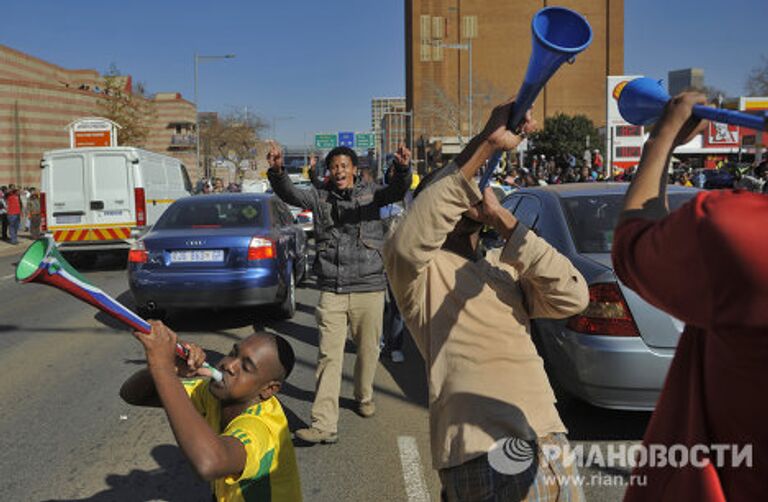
{"points": [[681, 80], [441, 35], [383, 112]]}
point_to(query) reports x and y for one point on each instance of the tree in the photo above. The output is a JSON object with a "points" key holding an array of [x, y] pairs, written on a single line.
{"points": [[233, 137], [447, 116], [133, 111], [563, 135], [440, 112], [757, 81], [713, 94]]}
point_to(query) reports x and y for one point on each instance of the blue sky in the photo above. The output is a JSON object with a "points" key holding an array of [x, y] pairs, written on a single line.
{"points": [[320, 62]]}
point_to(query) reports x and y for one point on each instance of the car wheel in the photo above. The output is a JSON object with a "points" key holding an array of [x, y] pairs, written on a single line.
{"points": [[287, 308]]}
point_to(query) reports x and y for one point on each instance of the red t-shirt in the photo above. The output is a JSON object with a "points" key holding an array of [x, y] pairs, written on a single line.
{"points": [[707, 264], [13, 202]]}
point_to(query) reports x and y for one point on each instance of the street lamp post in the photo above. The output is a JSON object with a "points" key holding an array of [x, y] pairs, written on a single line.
{"points": [[465, 47], [199, 58]]}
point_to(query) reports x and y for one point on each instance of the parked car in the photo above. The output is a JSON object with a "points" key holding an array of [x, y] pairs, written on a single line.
{"points": [[617, 352], [717, 178], [223, 250]]}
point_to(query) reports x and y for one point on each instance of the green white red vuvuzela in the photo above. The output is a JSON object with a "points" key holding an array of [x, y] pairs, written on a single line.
{"points": [[43, 263]]}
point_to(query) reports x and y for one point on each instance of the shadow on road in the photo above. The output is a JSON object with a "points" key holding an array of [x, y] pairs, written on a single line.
{"points": [[590, 423], [97, 261], [307, 309], [409, 375], [197, 320], [173, 481], [291, 329]]}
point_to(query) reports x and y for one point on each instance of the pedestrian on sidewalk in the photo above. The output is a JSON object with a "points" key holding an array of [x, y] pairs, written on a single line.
{"points": [[4, 212], [13, 202], [349, 236], [35, 217], [470, 317]]}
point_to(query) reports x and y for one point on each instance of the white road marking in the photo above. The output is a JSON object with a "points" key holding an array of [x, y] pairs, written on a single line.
{"points": [[7, 277], [413, 474]]}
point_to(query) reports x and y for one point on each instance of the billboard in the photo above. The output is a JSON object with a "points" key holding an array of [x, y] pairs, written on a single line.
{"points": [[92, 131], [624, 141]]}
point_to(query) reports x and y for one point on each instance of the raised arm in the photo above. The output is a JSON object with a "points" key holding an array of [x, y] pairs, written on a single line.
{"points": [[139, 389], [211, 455], [314, 176], [656, 254], [398, 186], [281, 183], [647, 195], [435, 212], [553, 287]]}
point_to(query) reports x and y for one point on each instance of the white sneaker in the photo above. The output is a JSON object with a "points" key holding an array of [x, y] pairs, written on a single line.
{"points": [[397, 356]]}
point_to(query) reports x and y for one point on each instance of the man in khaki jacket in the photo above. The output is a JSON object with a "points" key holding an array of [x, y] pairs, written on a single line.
{"points": [[490, 403]]}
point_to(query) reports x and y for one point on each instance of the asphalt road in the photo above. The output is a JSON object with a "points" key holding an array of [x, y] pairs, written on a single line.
{"points": [[66, 435]]}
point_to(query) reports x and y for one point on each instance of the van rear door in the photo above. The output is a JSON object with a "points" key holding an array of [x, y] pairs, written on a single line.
{"points": [[67, 201], [111, 191]]}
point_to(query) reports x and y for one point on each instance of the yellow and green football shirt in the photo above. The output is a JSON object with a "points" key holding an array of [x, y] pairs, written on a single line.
{"points": [[270, 473]]}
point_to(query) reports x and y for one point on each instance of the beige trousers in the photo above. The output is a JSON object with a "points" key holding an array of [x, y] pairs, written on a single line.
{"points": [[363, 314]]}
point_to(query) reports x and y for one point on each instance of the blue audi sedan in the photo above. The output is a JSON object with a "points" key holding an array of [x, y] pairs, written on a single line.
{"points": [[223, 250]]}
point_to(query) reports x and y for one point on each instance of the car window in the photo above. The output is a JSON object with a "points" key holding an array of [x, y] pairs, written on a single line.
{"points": [[528, 211], [202, 212], [593, 218]]}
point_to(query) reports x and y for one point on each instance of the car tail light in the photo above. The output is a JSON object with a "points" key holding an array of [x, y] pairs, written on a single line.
{"points": [[43, 212], [261, 248], [137, 253], [607, 313], [141, 207]]}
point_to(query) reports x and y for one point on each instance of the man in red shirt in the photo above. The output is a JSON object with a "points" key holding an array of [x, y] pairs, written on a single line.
{"points": [[707, 264], [13, 204]]}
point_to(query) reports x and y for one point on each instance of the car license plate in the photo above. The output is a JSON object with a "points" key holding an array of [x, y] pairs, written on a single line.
{"points": [[70, 219], [113, 212], [199, 255]]}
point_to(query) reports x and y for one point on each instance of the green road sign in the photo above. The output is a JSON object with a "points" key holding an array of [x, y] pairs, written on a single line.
{"points": [[365, 140], [325, 141]]}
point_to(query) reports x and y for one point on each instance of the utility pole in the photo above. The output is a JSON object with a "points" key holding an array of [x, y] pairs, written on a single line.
{"points": [[197, 59]]}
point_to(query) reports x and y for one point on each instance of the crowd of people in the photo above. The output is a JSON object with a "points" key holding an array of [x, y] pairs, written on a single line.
{"points": [[469, 314], [19, 211], [215, 185], [541, 171]]}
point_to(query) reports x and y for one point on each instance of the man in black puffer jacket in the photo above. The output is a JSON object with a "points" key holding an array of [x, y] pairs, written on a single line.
{"points": [[349, 236]]}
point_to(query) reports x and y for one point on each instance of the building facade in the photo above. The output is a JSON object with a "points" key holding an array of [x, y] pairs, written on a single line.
{"points": [[682, 80], [442, 36], [39, 99]]}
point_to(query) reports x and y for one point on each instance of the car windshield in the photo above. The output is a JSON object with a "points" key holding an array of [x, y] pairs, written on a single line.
{"points": [[202, 213], [593, 218]]}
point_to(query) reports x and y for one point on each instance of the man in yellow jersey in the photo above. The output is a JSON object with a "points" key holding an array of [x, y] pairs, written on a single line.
{"points": [[233, 432]]}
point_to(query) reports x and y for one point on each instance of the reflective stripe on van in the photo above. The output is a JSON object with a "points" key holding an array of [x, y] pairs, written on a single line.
{"points": [[92, 234]]}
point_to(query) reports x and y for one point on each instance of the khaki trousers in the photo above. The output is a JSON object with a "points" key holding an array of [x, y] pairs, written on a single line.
{"points": [[363, 314]]}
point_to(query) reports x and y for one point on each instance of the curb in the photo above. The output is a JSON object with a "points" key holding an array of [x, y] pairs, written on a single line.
{"points": [[7, 249]]}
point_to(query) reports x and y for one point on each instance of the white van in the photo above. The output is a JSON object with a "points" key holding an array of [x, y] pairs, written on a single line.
{"points": [[104, 197]]}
